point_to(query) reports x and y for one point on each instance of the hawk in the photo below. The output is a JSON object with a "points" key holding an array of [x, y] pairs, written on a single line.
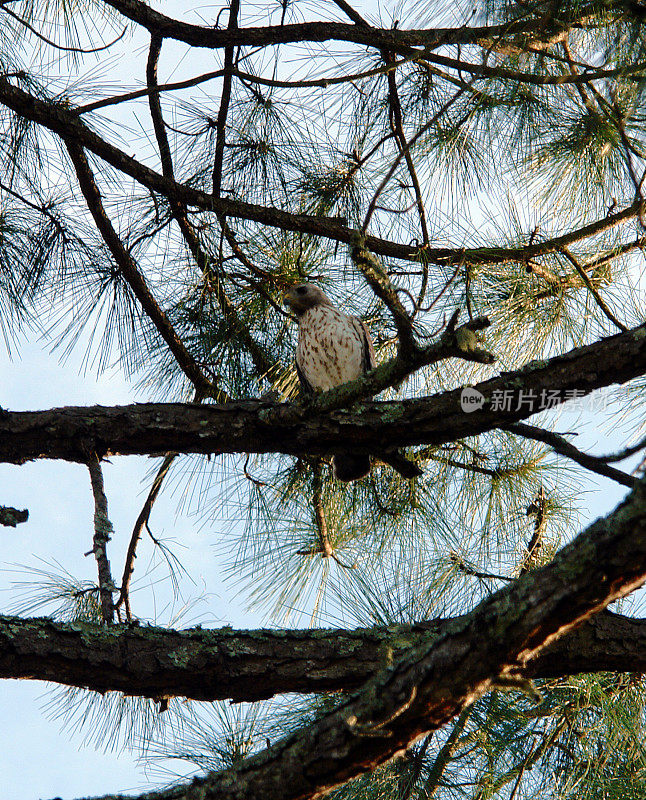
{"points": [[334, 348]]}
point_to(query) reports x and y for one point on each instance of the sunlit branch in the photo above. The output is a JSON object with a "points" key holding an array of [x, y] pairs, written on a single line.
{"points": [[223, 663], [593, 291]]}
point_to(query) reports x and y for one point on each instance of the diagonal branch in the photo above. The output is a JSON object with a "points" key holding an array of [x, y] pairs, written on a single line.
{"points": [[434, 682], [561, 446], [261, 359], [65, 123], [131, 274], [593, 291], [140, 523]]}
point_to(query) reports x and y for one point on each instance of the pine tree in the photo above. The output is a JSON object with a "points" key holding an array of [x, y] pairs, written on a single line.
{"points": [[468, 179]]}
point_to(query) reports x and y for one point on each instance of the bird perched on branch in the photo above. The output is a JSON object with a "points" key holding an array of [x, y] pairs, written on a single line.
{"points": [[334, 348]]}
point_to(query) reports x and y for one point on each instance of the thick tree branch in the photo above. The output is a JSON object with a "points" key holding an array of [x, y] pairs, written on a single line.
{"points": [[432, 683], [380, 38], [64, 122], [257, 426], [249, 665]]}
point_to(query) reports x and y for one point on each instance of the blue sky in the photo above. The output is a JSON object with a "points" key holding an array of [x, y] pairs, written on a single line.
{"points": [[59, 529]]}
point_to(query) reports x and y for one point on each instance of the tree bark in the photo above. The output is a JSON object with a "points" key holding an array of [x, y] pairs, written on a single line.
{"points": [[434, 681], [256, 426], [222, 664], [380, 38]]}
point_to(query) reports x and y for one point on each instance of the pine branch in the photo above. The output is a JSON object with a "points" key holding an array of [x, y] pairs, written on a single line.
{"points": [[130, 272], [257, 426], [224, 663], [55, 45], [248, 77], [103, 531], [522, 32], [593, 291], [561, 445], [429, 685], [589, 74], [64, 122]]}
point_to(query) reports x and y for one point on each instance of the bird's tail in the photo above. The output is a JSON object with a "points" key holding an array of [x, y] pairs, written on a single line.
{"points": [[349, 467]]}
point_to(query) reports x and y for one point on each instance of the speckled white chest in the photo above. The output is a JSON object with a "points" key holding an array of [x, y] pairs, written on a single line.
{"points": [[330, 347]]}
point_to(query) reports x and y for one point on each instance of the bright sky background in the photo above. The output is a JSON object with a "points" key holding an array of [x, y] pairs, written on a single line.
{"points": [[37, 760]]}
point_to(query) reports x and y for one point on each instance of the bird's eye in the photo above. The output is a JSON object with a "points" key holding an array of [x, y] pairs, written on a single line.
{"points": [[301, 290]]}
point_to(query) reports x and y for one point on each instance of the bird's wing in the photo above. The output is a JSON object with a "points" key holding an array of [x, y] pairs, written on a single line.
{"points": [[305, 385], [369, 359]]}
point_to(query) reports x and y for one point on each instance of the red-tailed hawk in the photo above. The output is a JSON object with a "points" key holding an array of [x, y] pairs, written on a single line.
{"points": [[334, 348]]}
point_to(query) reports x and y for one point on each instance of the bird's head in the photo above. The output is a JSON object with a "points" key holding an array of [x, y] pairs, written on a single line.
{"points": [[304, 296]]}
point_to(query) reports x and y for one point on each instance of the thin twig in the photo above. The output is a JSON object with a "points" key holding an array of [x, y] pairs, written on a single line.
{"points": [[325, 547], [141, 522], [563, 447], [598, 299], [225, 98], [248, 77], [625, 453], [42, 208], [402, 154], [397, 126], [444, 756], [352, 14], [103, 531], [66, 48]]}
